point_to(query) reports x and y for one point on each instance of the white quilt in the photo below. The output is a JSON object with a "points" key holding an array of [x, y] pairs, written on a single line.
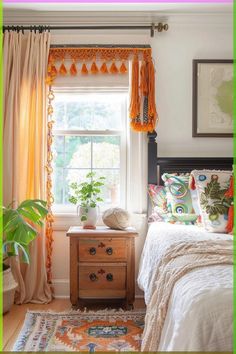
{"points": [[199, 316]]}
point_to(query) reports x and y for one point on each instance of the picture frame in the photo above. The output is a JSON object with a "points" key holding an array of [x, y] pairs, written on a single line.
{"points": [[212, 103]]}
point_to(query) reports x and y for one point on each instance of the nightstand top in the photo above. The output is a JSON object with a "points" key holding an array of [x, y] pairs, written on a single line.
{"points": [[100, 231]]}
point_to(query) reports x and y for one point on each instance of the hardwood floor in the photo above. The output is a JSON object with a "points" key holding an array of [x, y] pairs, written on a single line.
{"points": [[13, 320]]}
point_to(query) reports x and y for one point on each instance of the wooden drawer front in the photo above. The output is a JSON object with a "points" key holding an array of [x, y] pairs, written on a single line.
{"points": [[102, 250], [105, 277]]}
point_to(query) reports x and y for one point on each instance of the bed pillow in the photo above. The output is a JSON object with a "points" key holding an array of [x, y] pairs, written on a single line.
{"points": [[211, 186], [230, 194], [157, 195], [179, 199]]}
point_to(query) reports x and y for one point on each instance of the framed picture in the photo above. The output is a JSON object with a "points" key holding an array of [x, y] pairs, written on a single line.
{"points": [[212, 98]]}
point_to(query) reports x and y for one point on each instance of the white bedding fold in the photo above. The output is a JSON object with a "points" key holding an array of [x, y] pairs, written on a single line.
{"points": [[180, 259], [200, 307]]}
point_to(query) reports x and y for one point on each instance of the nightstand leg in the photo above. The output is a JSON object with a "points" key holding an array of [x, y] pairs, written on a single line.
{"points": [[73, 272]]}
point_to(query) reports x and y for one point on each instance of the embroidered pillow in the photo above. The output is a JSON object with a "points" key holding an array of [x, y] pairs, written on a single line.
{"points": [[179, 199], [230, 194], [157, 196], [211, 186]]}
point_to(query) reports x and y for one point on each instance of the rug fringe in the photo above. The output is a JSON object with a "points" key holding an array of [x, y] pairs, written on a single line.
{"points": [[86, 311]]}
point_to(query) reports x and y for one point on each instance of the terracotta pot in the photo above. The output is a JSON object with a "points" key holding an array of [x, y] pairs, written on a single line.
{"points": [[9, 288]]}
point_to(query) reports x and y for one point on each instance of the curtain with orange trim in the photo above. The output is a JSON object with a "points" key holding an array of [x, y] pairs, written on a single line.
{"points": [[115, 61], [24, 137], [82, 61]]}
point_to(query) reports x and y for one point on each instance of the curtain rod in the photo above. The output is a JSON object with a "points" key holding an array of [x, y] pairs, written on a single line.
{"points": [[160, 27]]}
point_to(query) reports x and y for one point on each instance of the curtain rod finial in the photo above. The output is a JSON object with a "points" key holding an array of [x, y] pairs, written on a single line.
{"points": [[152, 29]]}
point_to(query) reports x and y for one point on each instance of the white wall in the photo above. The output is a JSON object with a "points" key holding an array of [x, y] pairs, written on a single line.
{"points": [[202, 36], [173, 52], [188, 38]]}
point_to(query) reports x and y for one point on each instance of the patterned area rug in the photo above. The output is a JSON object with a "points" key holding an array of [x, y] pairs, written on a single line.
{"points": [[81, 331]]}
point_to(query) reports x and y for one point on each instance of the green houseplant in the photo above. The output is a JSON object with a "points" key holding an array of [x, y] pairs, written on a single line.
{"points": [[87, 196], [19, 230]]}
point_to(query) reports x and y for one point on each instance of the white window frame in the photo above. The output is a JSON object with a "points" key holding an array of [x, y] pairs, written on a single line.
{"points": [[71, 210]]}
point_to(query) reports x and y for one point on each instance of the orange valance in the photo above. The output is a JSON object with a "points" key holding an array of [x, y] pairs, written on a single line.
{"points": [[142, 108]]}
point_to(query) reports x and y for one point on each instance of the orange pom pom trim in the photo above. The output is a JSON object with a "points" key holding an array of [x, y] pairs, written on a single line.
{"points": [[84, 69], [113, 68], [123, 69], [94, 68], [104, 69], [53, 70], [73, 69], [63, 70]]}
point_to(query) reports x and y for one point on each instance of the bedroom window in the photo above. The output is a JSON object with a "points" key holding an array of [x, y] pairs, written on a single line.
{"points": [[90, 134]]}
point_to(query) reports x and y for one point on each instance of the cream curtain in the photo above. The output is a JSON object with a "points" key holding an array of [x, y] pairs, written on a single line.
{"points": [[24, 137]]}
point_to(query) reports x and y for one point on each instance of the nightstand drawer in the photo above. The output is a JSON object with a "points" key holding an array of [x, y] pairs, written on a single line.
{"points": [[102, 276], [94, 250]]}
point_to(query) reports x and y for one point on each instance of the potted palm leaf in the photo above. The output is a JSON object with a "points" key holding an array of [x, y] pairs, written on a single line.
{"points": [[19, 230], [87, 196]]}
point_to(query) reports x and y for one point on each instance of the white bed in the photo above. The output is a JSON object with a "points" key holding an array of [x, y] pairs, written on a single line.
{"points": [[200, 309]]}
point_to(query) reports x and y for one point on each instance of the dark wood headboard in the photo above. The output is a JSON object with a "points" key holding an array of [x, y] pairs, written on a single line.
{"points": [[159, 165]]}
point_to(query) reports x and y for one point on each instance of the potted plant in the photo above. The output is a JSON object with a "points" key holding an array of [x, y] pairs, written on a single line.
{"points": [[87, 195], [19, 229]]}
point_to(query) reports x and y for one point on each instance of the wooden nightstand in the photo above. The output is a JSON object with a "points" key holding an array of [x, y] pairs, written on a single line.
{"points": [[102, 264]]}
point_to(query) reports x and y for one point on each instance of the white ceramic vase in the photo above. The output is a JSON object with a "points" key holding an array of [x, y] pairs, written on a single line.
{"points": [[91, 214]]}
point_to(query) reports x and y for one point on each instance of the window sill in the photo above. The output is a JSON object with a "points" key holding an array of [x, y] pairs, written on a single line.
{"points": [[63, 221]]}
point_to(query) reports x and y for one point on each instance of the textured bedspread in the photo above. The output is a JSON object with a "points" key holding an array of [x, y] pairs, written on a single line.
{"points": [[191, 312]]}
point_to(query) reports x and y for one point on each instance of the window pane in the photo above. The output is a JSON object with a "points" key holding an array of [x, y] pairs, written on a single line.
{"points": [[111, 188], [78, 151], [57, 185], [106, 152], [89, 111]]}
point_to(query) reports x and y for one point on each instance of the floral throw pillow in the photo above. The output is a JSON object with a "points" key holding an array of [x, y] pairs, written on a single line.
{"points": [[211, 186]]}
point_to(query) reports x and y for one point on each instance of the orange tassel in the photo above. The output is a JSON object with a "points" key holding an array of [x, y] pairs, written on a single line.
{"points": [[84, 69], [94, 68], [123, 69], [230, 191], [192, 184], [73, 69], [230, 194], [104, 69], [113, 68], [230, 223], [53, 70], [152, 113], [135, 99], [62, 69], [144, 79]]}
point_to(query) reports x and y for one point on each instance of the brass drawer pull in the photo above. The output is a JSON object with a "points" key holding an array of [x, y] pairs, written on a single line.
{"points": [[92, 251], [109, 251], [93, 277], [109, 277]]}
